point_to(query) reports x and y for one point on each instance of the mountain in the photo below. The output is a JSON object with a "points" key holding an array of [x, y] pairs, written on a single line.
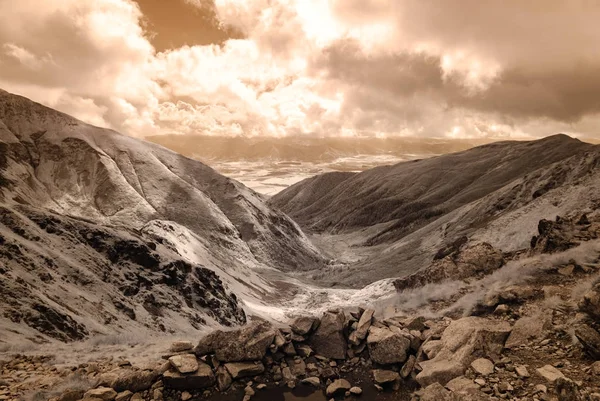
{"points": [[396, 218], [101, 232], [305, 148]]}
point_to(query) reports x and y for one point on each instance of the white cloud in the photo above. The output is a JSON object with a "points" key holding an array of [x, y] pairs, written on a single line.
{"points": [[372, 67]]}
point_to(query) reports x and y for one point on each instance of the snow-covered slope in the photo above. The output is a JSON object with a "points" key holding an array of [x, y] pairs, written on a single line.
{"points": [[55, 166]]}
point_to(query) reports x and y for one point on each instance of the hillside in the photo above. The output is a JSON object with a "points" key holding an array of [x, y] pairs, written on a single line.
{"points": [[396, 218], [89, 214]]}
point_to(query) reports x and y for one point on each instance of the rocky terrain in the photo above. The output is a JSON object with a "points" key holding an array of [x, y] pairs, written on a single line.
{"points": [[483, 273], [396, 219], [102, 234], [532, 337]]}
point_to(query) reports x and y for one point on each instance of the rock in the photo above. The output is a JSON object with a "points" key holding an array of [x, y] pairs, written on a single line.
{"points": [[415, 323], [137, 397], [249, 391], [461, 384], [244, 369], [328, 340], [550, 373], [224, 379], [522, 371], [595, 368], [437, 392], [279, 340], [124, 396], [289, 349], [356, 390], [327, 373], [589, 339], [481, 258], [431, 348], [362, 327], [590, 303], [184, 363], [68, 395], [463, 341], [408, 367], [501, 309], [128, 379], [312, 381], [287, 374], [339, 386], [202, 378], [381, 376], [101, 393], [74, 395], [249, 343], [482, 366], [304, 325], [567, 390], [528, 329], [185, 396], [304, 350], [180, 346], [387, 347], [298, 368]]}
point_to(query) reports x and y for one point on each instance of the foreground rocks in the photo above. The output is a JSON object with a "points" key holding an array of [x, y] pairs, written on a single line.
{"points": [[462, 342]]}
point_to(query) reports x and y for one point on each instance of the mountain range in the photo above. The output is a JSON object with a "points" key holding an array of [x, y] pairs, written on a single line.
{"points": [[102, 233]]}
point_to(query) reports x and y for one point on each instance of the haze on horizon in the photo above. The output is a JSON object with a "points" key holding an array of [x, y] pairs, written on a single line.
{"points": [[462, 69]]}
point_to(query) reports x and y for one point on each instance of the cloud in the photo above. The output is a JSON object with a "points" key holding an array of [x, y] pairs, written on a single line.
{"points": [[284, 67]]}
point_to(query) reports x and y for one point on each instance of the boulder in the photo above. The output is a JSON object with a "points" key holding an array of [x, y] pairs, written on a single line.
{"points": [[549, 373], [567, 390], [304, 350], [238, 370], [362, 327], [312, 381], [329, 340], [387, 347], [180, 346], [224, 379], [408, 367], [71, 395], [482, 366], [381, 376], [461, 385], [590, 303], [123, 379], [437, 392], [184, 363], [589, 339], [527, 329], [339, 386], [304, 325], [124, 396], [202, 378], [356, 390], [462, 342], [250, 343], [101, 394]]}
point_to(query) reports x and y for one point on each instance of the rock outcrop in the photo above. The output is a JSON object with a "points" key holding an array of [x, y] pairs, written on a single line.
{"points": [[463, 341]]}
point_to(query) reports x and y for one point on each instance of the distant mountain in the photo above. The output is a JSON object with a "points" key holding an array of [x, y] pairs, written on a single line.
{"points": [[401, 215], [305, 148], [100, 232]]}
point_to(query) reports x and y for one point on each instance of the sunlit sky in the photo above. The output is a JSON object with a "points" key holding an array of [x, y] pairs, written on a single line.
{"points": [[463, 68]]}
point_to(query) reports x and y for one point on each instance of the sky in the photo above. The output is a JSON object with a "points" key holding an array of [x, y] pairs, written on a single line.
{"points": [[429, 68]]}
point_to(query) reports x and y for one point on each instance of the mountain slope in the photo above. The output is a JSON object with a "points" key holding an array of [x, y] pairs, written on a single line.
{"points": [[411, 194], [62, 169], [397, 218]]}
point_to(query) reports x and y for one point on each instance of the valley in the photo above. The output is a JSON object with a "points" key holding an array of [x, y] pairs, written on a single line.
{"points": [[129, 268]]}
